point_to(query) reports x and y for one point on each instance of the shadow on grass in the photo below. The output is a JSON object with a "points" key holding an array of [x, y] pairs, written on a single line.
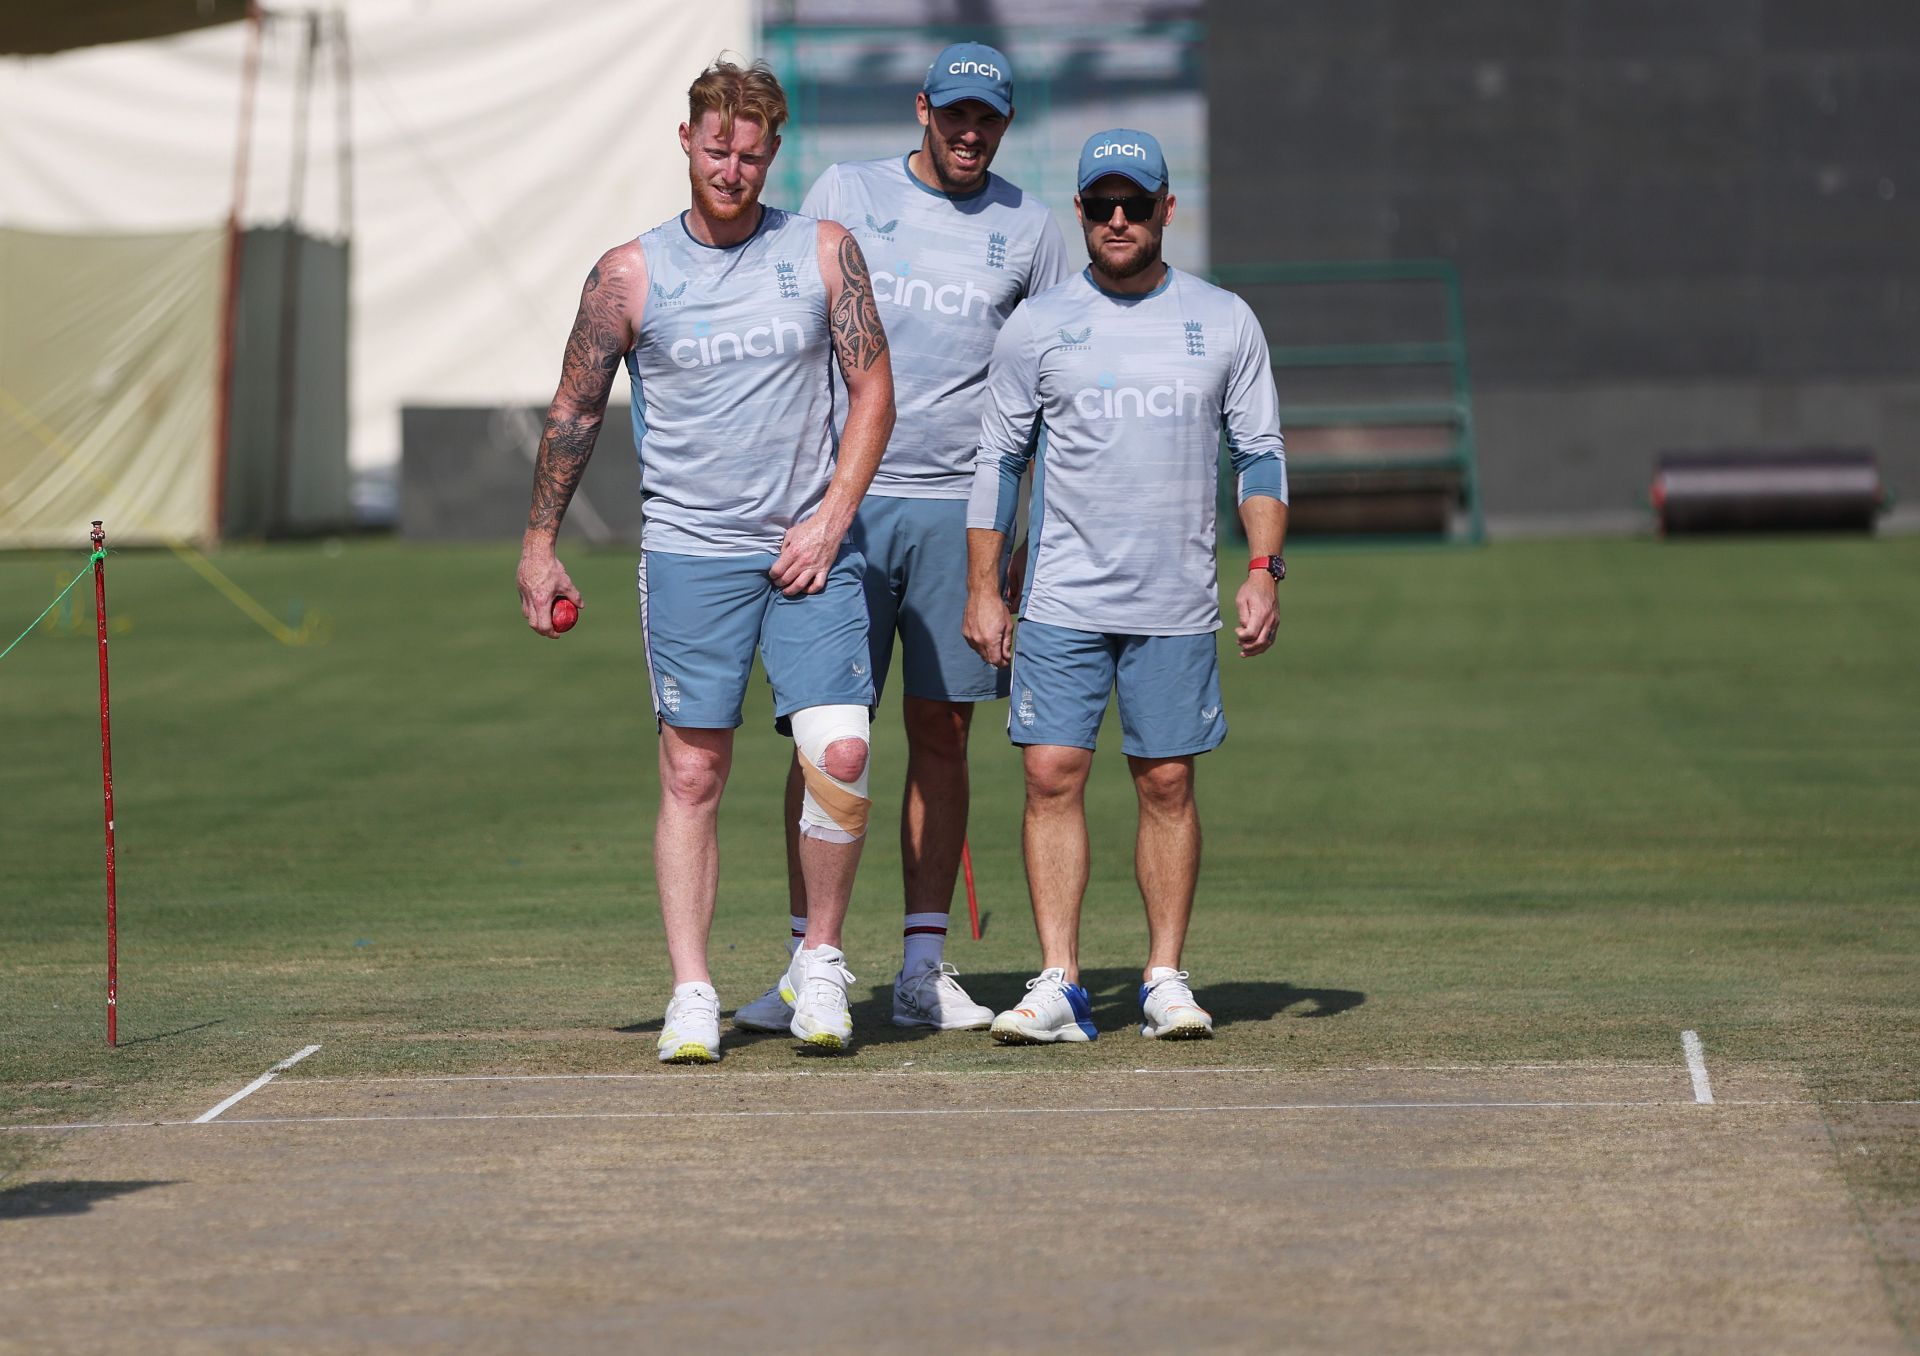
{"points": [[38, 1200], [1116, 1005], [1116, 999], [168, 1035]]}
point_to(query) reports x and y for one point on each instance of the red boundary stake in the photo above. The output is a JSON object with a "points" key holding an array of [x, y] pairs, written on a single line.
{"points": [[973, 903], [99, 539]]}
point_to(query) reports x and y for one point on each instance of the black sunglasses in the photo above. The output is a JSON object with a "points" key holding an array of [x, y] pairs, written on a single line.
{"points": [[1138, 206]]}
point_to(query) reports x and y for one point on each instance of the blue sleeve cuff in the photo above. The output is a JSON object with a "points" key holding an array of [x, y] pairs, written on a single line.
{"points": [[1008, 504], [1263, 474]]}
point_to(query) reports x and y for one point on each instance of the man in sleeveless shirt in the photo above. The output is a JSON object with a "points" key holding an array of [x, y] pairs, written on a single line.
{"points": [[728, 318], [1133, 368], [954, 248]]}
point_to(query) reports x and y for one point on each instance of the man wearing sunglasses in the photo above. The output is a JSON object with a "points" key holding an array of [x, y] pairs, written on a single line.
{"points": [[1132, 369], [953, 249]]}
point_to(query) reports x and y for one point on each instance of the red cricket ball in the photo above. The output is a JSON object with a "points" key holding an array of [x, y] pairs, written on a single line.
{"points": [[565, 614]]}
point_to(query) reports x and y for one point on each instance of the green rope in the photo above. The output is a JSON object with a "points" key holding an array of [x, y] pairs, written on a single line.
{"points": [[97, 555]]}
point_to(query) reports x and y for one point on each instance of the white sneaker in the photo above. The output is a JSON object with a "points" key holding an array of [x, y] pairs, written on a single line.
{"points": [[1168, 1011], [816, 984], [930, 995], [691, 1032], [768, 1012], [1053, 1010]]}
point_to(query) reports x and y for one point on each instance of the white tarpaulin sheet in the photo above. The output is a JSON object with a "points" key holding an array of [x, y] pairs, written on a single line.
{"points": [[108, 346], [498, 147]]}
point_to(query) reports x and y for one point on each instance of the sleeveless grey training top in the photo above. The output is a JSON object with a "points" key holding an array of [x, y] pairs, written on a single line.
{"points": [[732, 397]]}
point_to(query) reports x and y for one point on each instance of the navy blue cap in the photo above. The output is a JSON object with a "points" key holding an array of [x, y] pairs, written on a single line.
{"points": [[1122, 150], [971, 70]]}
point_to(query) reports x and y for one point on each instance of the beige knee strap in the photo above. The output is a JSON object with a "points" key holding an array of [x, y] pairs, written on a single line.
{"points": [[831, 809]]}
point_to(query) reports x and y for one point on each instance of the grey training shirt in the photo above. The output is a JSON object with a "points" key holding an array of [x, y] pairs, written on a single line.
{"points": [[732, 402], [947, 272], [1133, 392]]}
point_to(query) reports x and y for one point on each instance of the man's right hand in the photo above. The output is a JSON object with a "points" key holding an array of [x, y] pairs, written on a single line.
{"points": [[988, 627], [542, 579]]}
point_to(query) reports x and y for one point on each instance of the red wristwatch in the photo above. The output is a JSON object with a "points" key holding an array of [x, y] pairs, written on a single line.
{"points": [[1273, 565]]}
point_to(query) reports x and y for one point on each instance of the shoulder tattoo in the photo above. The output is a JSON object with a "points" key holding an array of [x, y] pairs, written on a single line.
{"points": [[857, 334]]}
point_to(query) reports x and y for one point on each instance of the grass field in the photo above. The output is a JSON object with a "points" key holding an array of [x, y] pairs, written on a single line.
{"points": [[1527, 805]]}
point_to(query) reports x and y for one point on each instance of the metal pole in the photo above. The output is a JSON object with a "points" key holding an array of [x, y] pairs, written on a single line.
{"points": [[343, 106], [281, 514], [230, 317], [99, 539]]}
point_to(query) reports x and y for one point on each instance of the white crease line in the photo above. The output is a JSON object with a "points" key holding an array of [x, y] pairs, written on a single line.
{"points": [[1859, 1101], [1757, 1102], [908, 1112], [719, 1077], [255, 1086], [1697, 1067]]}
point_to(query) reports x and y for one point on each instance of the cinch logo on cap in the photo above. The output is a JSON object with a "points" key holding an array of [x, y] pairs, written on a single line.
{"points": [[985, 68], [1119, 148]]}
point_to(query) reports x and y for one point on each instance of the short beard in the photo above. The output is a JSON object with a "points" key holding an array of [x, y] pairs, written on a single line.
{"points": [[1147, 256], [949, 180], [713, 207]]}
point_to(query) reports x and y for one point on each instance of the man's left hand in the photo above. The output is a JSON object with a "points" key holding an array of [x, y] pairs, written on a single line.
{"points": [[1259, 615]]}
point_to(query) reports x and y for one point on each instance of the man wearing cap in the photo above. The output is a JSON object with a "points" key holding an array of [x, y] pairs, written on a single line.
{"points": [[1132, 369], [953, 248]]}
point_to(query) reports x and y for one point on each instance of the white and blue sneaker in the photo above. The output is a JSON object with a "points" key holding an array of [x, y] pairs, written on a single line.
{"points": [[1053, 1010], [691, 1032], [816, 985], [1167, 1009]]}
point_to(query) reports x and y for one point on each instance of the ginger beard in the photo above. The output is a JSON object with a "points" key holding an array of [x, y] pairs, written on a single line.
{"points": [[727, 168]]}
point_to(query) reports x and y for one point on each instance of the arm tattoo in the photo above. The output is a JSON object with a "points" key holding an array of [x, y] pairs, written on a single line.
{"points": [[594, 350], [857, 335]]}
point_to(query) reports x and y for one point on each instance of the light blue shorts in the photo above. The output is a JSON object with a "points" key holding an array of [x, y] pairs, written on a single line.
{"points": [[916, 581], [703, 616], [1169, 690]]}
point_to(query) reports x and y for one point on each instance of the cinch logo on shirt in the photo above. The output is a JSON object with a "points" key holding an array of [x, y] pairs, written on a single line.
{"points": [[986, 68], [1108, 148], [1108, 401], [947, 298], [762, 341]]}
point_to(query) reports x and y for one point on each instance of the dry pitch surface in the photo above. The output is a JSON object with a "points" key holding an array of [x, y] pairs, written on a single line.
{"points": [[1576, 1207]]}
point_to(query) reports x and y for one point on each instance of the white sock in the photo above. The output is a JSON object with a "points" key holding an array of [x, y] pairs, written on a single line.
{"points": [[797, 925], [926, 940]]}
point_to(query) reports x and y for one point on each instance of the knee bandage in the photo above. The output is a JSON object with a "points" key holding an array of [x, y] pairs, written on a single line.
{"points": [[831, 809]]}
